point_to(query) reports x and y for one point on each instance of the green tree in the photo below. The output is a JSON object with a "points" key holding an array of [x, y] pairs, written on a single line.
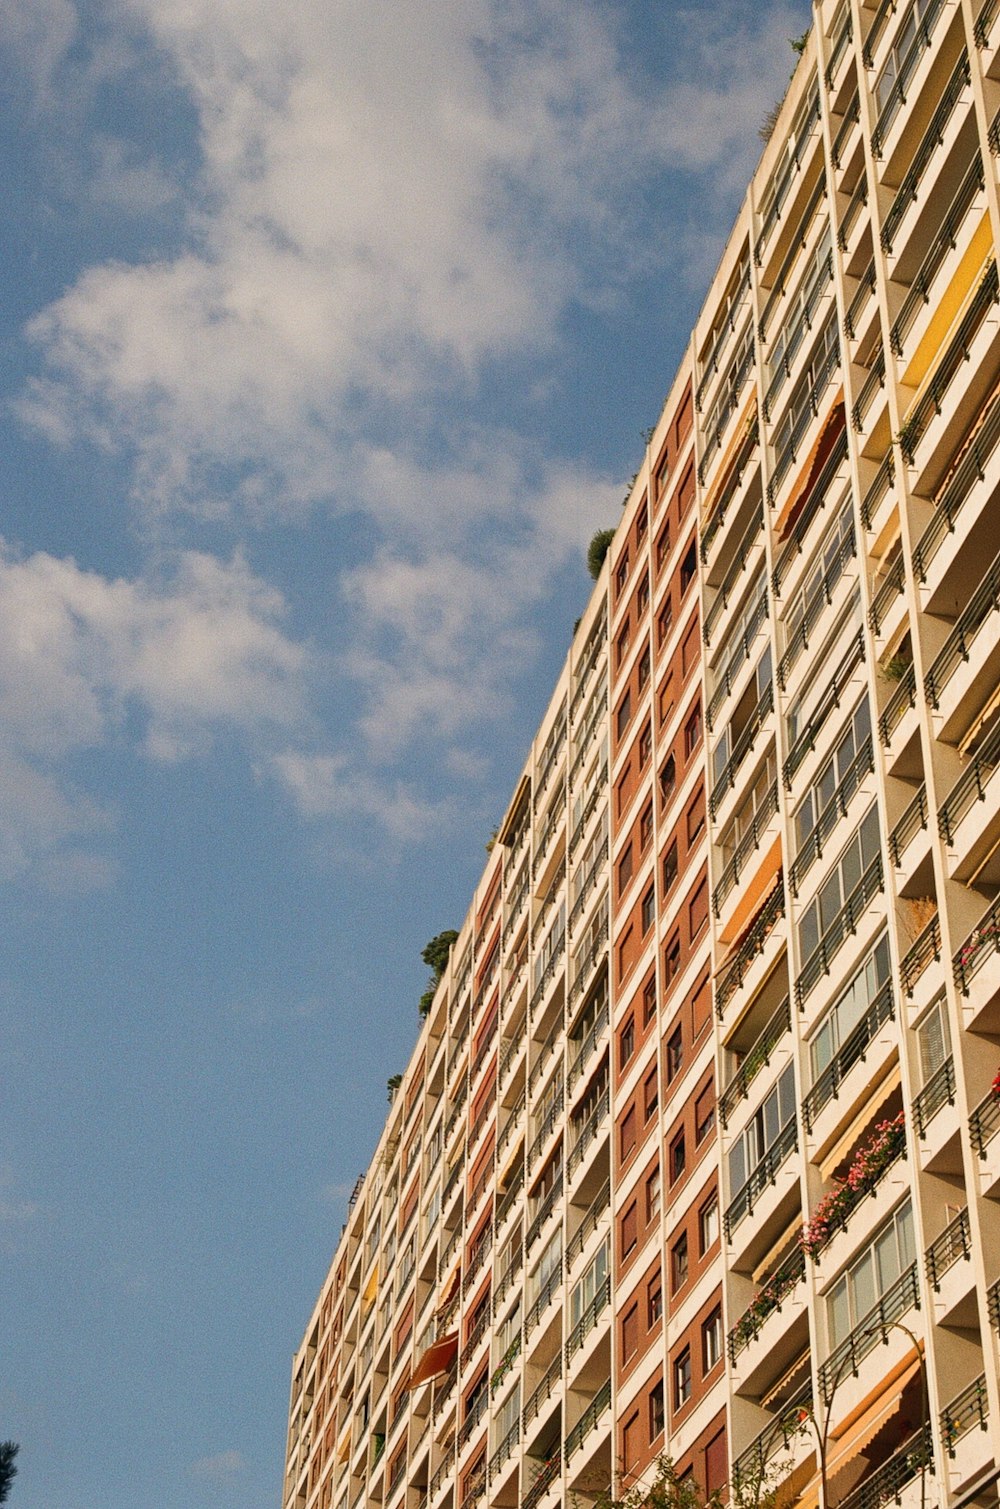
{"points": [[8, 1472], [392, 1084], [597, 550], [670, 1490], [435, 956]]}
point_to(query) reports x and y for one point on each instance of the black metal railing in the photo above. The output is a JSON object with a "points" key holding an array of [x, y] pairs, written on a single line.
{"points": [[788, 454], [761, 1177], [534, 1231], [855, 205], [786, 174], [542, 1391], [980, 945], [844, 924], [984, 1122], [731, 979], [955, 356], [902, 1296], [732, 384], [880, 488], [734, 482], [906, 68], [756, 1058], [937, 1092], [588, 1133], [738, 657], [912, 822], [866, 394], [925, 949], [820, 600], [970, 469], [984, 21], [862, 295], [842, 676], [839, 50], [852, 1051], [887, 8], [592, 1219], [506, 1362], [943, 244], [781, 283], [748, 845], [811, 847], [898, 705], [775, 1288], [725, 332], [993, 1304], [849, 1197], [542, 1300], [793, 338], [851, 117], [588, 1320], [546, 1476], [589, 882], [739, 564], [742, 747], [970, 787], [984, 602], [886, 1483], [954, 1244], [595, 1409], [887, 595], [545, 1129], [750, 1467], [967, 1410], [792, 548], [587, 1045], [587, 958], [505, 1450]]}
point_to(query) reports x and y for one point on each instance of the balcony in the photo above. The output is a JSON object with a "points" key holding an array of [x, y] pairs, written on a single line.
{"points": [[738, 657], [505, 1450], [976, 973], [760, 826], [866, 1044], [542, 1392], [542, 1214], [908, 828], [879, 502], [587, 1046], [822, 598], [587, 1422], [898, 1480], [873, 385], [940, 252], [844, 925], [877, 1326], [754, 947], [965, 1431], [787, 1432], [588, 1134], [725, 333], [834, 1231], [772, 1329], [811, 848], [950, 1275], [588, 885], [795, 338], [793, 548], [786, 175], [742, 746], [542, 1301], [544, 1479], [962, 514], [917, 978], [545, 1130], [909, 189], [968, 817], [790, 450], [887, 596], [936, 1119], [768, 1190], [729, 496], [591, 1222], [756, 1058], [588, 1320], [984, 1124], [842, 678], [897, 724]]}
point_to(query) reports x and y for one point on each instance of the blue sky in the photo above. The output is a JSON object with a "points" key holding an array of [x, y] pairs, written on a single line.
{"points": [[329, 334]]}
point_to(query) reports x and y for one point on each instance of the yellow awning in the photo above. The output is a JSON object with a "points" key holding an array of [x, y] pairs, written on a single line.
{"points": [[371, 1288]]}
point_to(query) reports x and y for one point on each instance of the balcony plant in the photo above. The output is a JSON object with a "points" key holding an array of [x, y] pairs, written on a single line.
{"points": [[995, 1086], [767, 1299], [870, 1162]]}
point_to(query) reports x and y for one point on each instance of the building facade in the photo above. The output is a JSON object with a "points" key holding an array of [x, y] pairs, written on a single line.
{"points": [[698, 1152]]}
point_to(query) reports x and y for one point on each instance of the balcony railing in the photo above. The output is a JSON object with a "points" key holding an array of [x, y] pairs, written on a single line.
{"points": [[732, 977], [598, 791], [970, 469], [829, 702], [750, 1467], [903, 1295], [762, 1177], [851, 117], [587, 1045], [588, 958], [984, 1122], [898, 705], [542, 1300], [542, 1214], [588, 1133], [543, 1390], [748, 845], [954, 1244], [588, 1320], [811, 847], [437, 1481], [473, 1416], [766, 1301], [839, 49], [879, 489], [885, 1485], [505, 1450], [993, 1305], [984, 21], [786, 174], [742, 747], [588, 1420], [970, 787], [725, 332], [850, 1196], [967, 1410], [510, 1197], [821, 599], [739, 563], [543, 1482], [595, 1210], [788, 454], [794, 338], [912, 822], [886, 10], [937, 1092], [872, 384], [857, 203], [862, 294], [792, 548], [545, 1130], [851, 1052], [756, 1058], [589, 882], [943, 244], [951, 363], [733, 384], [926, 949], [888, 594], [905, 70], [984, 602], [844, 924], [737, 659], [734, 482], [981, 944]]}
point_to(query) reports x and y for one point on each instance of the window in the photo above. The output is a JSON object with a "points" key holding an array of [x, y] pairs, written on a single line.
{"points": [[645, 746], [622, 644], [625, 868], [657, 1413], [664, 623], [850, 1008], [670, 866], [587, 1290], [649, 1000], [689, 567], [630, 1333], [860, 852], [646, 827], [763, 1130], [654, 1301], [682, 1378], [698, 910], [507, 1415], [624, 714], [675, 1054], [626, 1042], [650, 1093], [630, 1442], [642, 677], [711, 1341], [668, 778], [678, 1158], [871, 1275], [642, 596], [829, 783], [648, 909], [653, 1197], [692, 733], [679, 1263], [823, 574], [691, 647], [662, 546], [641, 524], [934, 1041], [708, 1225], [897, 59], [704, 1114], [629, 1230], [621, 575], [672, 958], [696, 816], [627, 1134]]}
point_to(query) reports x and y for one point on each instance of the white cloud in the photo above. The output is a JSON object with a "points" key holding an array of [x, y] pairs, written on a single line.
{"points": [[323, 785], [220, 1468], [83, 657]]}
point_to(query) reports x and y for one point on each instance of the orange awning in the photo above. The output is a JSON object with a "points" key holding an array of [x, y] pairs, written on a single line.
{"points": [[773, 881], [451, 1287], [825, 441], [725, 466], [756, 893], [437, 1359]]}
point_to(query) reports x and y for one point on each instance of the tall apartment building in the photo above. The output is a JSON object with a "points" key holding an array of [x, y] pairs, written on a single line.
{"points": [[698, 1150]]}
